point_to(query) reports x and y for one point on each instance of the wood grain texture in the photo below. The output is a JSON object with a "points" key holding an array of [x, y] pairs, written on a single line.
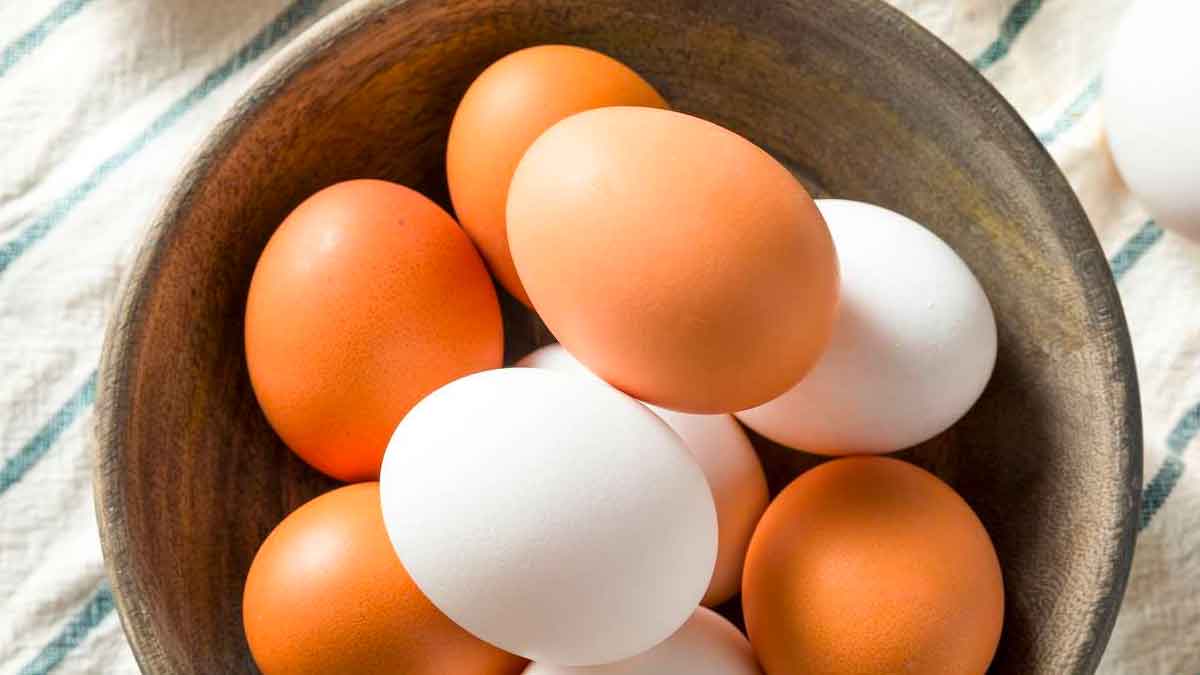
{"points": [[855, 97]]}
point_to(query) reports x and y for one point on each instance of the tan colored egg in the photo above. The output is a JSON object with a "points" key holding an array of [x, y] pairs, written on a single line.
{"points": [[508, 106], [674, 258], [870, 565], [326, 594], [368, 297]]}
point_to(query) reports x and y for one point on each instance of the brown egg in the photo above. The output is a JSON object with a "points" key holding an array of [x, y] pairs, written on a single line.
{"points": [[870, 565], [327, 594], [505, 109], [368, 297], [673, 257]]}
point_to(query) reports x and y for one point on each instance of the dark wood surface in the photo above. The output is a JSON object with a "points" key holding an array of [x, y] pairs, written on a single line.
{"points": [[855, 97]]}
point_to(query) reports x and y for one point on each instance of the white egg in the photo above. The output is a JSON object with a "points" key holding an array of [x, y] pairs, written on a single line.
{"points": [[730, 464], [549, 515], [706, 645], [1152, 109], [912, 349]]}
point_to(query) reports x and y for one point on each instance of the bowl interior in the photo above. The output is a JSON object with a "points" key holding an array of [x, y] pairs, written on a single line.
{"points": [[857, 99]]}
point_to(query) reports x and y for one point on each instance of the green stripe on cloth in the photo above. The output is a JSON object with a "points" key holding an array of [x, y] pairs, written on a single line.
{"points": [[267, 38], [1018, 17], [1076, 110], [96, 610], [29, 41], [18, 465], [1134, 249], [1167, 477]]}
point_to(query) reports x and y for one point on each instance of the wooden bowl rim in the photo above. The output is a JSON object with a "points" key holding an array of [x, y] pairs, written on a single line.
{"points": [[120, 348]]}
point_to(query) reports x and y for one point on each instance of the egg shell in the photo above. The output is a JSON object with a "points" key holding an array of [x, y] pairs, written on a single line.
{"points": [[509, 105], [676, 259], [730, 464], [869, 565], [1151, 103], [366, 298], [913, 346], [549, 515], [326, 594], [706, 645]]}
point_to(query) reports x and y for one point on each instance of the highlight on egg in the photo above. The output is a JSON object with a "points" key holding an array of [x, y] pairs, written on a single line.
{"points": [[508, 106], [549, 515], [912, 348], [677, 260], [326, 594], [730, 464], [366, 298]]}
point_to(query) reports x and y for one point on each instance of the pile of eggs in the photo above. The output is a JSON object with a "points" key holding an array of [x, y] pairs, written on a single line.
{"points": [[581, 511]]}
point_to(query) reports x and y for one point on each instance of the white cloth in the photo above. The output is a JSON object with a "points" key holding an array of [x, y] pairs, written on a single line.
{"points": [[101, 101]]}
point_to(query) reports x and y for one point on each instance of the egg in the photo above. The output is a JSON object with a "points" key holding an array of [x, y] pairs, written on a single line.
{"points": [[509, 105], [366, 298], [730, 464], [913, 346], [676, 259], [549, 515], [869, 565], [706, 645], [1151, 103], [326, 594]]}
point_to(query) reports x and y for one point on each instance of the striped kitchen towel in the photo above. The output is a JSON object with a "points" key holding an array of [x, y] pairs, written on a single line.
{"points": [[102, 100]]}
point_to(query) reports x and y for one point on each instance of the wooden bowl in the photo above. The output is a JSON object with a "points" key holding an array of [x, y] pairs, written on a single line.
{"points": [[859, 100]]}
